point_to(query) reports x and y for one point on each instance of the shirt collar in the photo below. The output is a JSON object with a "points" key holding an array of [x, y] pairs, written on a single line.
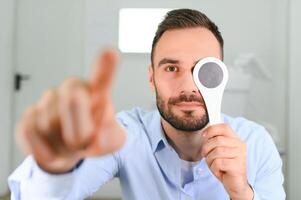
{"points": [[152, 122], [155, 132]]}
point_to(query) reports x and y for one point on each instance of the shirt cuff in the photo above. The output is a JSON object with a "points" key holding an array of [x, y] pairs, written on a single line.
{"points": [[54, 185], [29, 181]]}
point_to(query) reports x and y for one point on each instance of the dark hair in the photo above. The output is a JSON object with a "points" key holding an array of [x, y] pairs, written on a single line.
{"points": [[186, 18]]}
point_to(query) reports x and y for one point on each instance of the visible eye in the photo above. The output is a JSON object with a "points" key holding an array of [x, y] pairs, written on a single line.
{"points": [[171, 69]]}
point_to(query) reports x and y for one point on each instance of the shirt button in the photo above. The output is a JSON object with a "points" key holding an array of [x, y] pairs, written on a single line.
{"points": [[186, 198], [200, 170]]}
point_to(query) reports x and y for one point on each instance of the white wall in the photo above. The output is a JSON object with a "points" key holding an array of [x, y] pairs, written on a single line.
{"points": [[294, 102], [6, 84]]}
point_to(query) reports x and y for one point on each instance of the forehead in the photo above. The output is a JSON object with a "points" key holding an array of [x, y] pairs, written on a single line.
{"points": [[187, 45]]}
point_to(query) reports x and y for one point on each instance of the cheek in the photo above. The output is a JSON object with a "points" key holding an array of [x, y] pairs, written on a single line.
{"points": [[162, 92], [166, 90], [168, 84]]}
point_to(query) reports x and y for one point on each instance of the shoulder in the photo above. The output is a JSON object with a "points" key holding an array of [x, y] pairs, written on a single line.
{"points": [[262, 152], [135, 118], [131, 116], [259, 141]]}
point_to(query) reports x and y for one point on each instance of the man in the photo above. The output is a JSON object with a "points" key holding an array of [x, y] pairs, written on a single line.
{"points": [[164, 154]]}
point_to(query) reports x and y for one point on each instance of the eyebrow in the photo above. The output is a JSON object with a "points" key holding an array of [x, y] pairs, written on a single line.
{"points": [[173, 61], [168, 60]]}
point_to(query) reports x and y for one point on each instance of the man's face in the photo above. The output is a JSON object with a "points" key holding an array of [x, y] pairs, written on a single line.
{"points": [[178, 99]]}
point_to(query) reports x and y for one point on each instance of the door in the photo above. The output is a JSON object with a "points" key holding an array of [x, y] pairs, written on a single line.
{"points": [[48, 49]]}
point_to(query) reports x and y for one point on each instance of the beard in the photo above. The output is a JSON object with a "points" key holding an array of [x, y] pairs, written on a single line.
{"points": [[189, 122]]}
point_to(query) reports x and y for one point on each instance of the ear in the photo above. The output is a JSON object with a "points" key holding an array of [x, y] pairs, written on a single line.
{"points": [[151, 77]]}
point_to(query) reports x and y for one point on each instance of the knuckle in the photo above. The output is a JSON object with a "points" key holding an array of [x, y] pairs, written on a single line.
{"points": [[29, 112], [215, 163], [73, 86], [66, 98], [47, 99], [209, 160], [71, 82], [80, 92], [219, 162], [223, 162], [219, 139], [48, 94], [24, 130], [72, 143], [220, 150]]}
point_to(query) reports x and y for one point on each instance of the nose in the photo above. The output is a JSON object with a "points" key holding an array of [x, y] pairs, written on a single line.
{"points": [[187, 85]]}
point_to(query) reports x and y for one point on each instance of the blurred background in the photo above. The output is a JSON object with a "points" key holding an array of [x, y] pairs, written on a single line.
{"points": [[44, 41]]}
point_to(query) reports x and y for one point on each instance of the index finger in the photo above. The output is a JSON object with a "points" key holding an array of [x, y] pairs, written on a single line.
{"points": [[103, 70]]}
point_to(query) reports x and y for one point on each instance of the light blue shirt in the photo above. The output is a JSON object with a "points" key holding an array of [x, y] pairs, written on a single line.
{"points": [[150, 169]]}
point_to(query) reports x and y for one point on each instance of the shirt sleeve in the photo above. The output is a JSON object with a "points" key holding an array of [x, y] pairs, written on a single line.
{"points": [[29, 181], [269, 179]]}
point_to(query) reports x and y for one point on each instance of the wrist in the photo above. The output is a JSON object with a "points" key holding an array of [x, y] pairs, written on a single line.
{"points": [[63, 169], [245, 194]]}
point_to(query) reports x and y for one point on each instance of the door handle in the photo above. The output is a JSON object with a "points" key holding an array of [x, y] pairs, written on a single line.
{"points": [[18, 80]]}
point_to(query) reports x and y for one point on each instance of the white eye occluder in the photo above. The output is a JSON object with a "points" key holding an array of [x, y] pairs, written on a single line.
{"points": [[211, 76]]}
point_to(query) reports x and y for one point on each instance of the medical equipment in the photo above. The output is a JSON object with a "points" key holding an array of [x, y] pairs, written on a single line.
{"points": [[211, 76]]}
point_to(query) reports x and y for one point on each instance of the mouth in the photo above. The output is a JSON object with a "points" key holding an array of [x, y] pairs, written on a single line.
{"points": [[189, 105]]}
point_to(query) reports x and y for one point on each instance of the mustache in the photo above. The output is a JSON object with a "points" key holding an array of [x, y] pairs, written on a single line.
{"points": [[185, 98]]}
